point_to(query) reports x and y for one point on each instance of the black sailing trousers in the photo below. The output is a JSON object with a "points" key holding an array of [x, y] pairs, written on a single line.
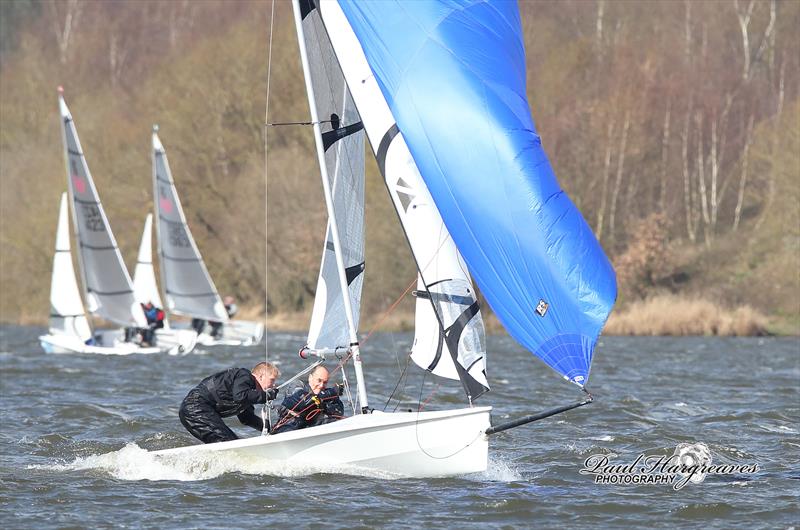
{"points": [[200, 418]]}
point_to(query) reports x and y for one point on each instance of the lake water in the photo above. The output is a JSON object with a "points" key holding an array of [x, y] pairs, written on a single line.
{"points": [[76, 430]]}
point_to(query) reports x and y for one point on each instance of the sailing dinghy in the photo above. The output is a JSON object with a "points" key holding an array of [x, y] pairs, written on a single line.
{"points": [[145, 289], [188, 288], [439, 89], [106, 283]]}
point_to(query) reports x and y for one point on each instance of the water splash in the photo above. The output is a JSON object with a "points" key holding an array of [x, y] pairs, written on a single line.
{"points": [[498, 470], [134, 463]]}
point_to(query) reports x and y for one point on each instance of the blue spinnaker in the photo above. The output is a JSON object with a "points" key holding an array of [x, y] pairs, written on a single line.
{"points": [[453, 74]]}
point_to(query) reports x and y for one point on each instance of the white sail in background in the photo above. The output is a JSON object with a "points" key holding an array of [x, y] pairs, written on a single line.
{"points": [[343, 142], [456, 328], [67, 316], [107, 284], [188, 288], [144, 276]]}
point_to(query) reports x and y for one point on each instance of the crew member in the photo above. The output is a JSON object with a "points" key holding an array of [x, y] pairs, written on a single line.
{"points": [[310, 404], [232, 392]]}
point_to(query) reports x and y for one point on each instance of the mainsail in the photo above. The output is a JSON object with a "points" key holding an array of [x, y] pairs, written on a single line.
{"points": [[463, 111], [188, 288], [144, 276], [343, 140], [107, 284], [449, 331], [67, 316]]}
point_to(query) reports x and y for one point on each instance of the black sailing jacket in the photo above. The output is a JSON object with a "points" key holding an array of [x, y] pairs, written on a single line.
{"points": [[233, 392]]}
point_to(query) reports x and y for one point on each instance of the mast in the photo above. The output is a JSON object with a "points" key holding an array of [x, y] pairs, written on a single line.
{"points": [[64, 114], [354, 347]]}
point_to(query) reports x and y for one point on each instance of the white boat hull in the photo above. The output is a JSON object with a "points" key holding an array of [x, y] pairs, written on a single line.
{"points": [[72, 344], [112, 342], [235, 333], [399, 444]]}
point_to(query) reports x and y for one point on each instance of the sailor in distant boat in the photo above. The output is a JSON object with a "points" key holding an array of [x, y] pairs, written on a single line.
{"points": [[198, 324], [232, 392], [310, 404], [155, 320]]}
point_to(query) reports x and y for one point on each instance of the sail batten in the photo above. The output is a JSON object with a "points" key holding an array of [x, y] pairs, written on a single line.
{"points": [[453, 76]]}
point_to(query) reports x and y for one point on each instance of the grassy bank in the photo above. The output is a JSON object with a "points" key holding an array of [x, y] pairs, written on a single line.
{"points": [[663, 315]]}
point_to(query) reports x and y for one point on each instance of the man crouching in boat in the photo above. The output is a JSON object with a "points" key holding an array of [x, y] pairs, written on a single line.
{"points": [[232, 392], [310, 404]]}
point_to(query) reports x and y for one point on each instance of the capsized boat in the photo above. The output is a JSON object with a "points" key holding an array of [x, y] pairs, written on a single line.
{"points": [[188, 287], [106, 283], [439, 89]]}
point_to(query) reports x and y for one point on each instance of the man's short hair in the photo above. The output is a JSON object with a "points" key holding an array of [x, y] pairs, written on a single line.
{"points": [[268, 368]]}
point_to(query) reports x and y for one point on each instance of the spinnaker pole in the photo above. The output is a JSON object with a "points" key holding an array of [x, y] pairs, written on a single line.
{"points": [[354, 347]]}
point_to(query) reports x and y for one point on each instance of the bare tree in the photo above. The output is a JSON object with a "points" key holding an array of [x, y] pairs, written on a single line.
{"points": [[688, 188], [662, 185], [620, 170], [744, 15], [606, 171], [64, 30], [737, 214]]}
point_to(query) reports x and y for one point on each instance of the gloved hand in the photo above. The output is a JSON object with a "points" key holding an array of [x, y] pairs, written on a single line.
{"points": [[272, 393], [340, 388]]}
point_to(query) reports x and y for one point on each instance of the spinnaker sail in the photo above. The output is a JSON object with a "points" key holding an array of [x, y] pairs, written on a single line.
{"points": [[188, 288], [107, 284], [464, 115], [343, 142], [67, 316]]}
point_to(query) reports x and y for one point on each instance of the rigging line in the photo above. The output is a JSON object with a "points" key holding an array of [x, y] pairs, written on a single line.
{"points": [[266, 412], [395, 387], [277, 124], [388, 311]]}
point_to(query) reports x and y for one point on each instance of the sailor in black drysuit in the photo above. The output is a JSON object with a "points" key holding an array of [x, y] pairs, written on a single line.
{"points": [[310, 404], [232, 392]]}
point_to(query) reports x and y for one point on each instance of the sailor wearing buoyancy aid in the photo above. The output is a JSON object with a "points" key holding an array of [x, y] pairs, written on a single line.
{"points": [[310, 404], [232, 392]]}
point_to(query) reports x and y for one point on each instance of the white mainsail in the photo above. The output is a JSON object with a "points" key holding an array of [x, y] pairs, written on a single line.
{"points": [[343, 140], [144, 276], [188, 288], [450, 340], [107, 284], [67, 315]]}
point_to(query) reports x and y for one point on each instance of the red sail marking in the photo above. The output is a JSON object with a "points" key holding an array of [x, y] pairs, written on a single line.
{"points": [[79, 183]]}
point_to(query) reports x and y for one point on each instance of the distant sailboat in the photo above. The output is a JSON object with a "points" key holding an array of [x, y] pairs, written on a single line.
{"points": [[106, 284], [188, 288], [439, 89]]}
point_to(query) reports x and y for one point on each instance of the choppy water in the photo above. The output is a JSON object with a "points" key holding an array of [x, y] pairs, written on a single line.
{"points": [[76, 430]]}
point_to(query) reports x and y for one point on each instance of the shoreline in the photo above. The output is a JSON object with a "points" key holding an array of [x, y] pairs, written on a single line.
{"points": [[662, 315]]}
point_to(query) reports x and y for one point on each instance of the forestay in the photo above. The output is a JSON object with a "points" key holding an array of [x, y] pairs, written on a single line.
{"points": [[449, 330], [463, 111], [107, 284], [67, 316], [343, 142], [188, 288]]}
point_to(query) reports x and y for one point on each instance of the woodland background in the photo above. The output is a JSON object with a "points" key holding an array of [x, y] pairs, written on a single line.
{"points": [[673, 125]]}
